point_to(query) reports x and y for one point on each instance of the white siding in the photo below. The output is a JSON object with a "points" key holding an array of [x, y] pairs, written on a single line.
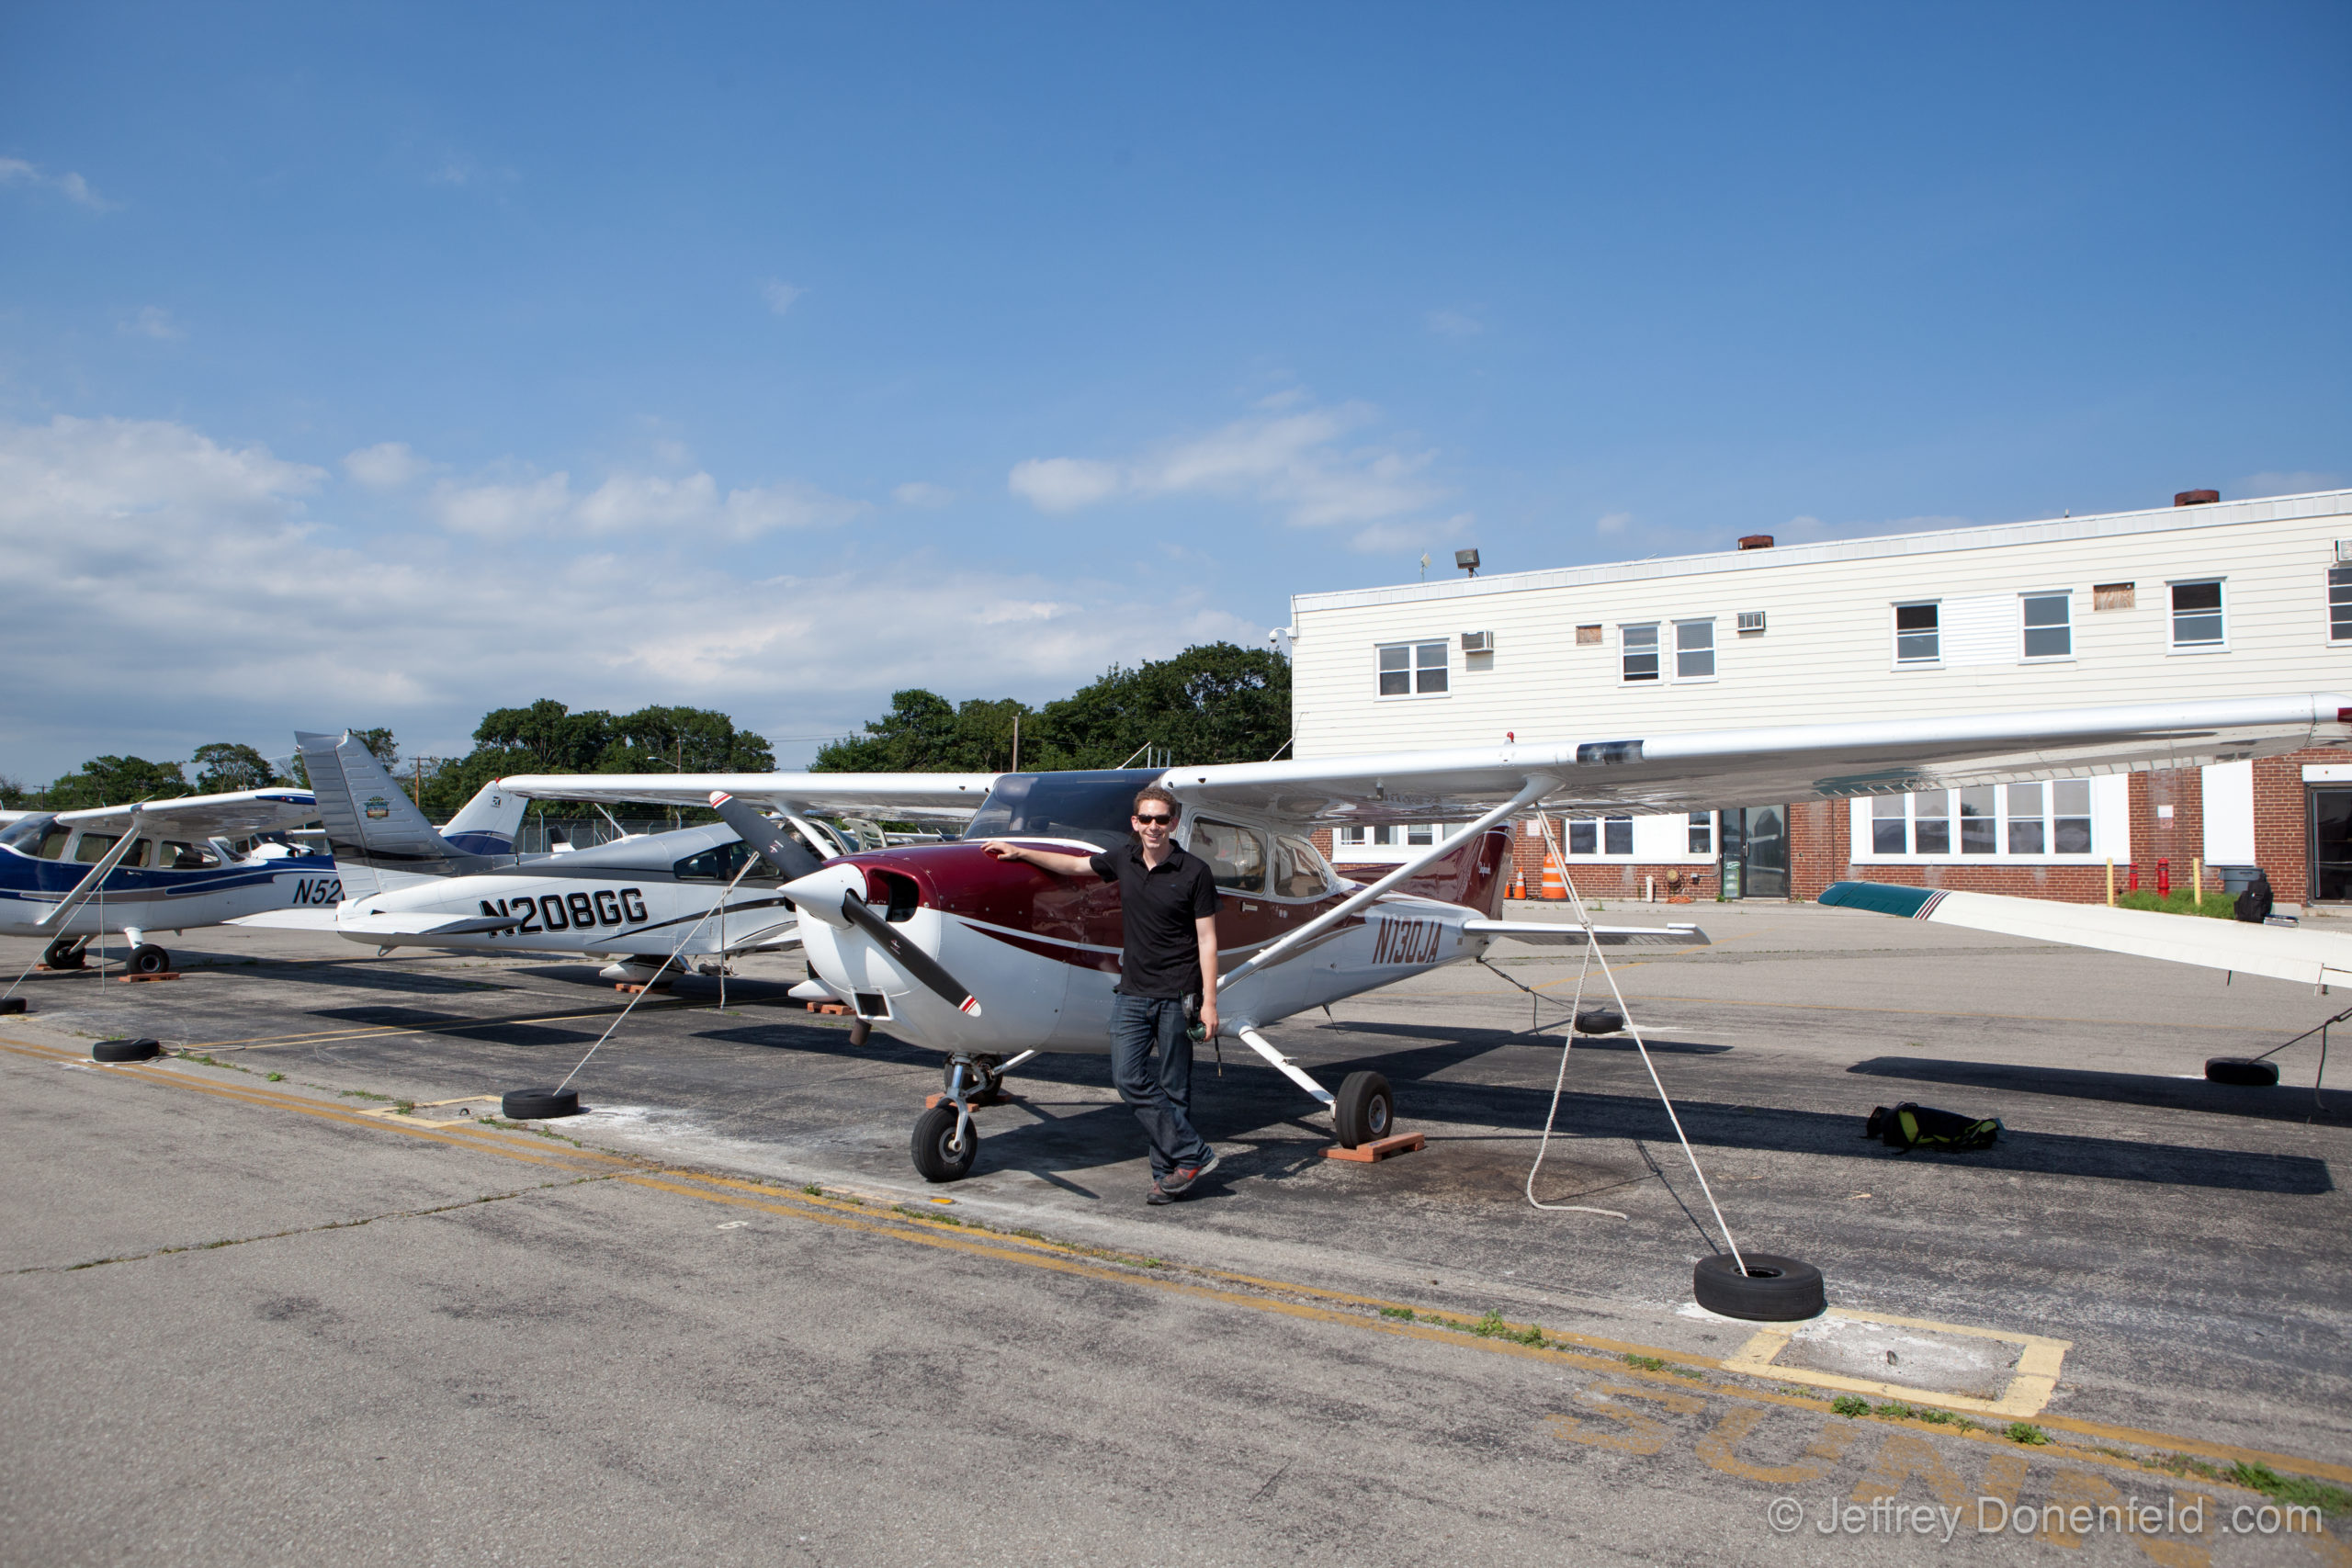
{"points": [[1828, 649]]}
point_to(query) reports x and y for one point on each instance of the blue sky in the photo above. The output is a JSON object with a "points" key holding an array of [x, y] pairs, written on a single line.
{"points": [[383, 365]]}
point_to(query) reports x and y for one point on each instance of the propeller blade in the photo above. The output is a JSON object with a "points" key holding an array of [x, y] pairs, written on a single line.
{"points": [[908, 956], [772, 842]]}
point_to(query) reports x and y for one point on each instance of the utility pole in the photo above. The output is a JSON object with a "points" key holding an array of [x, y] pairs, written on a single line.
{"points": [[419, 791], [1016, 745]]}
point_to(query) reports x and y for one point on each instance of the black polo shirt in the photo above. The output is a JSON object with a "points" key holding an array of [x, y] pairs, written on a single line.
{"points": [[1158, 905]]}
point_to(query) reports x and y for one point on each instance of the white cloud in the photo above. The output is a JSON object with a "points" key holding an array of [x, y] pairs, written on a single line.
{"points": [[1614, 523], [1063, 484], [150, 321], [779, 294], [626, 502], [188, 595], [918, 493], [1456, 325], [1293, 462], [73, 187], [388, 465], [1383, 537]]}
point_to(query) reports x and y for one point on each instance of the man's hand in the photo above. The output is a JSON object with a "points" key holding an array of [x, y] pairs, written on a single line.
{"points": [[1208, 1014], [1204, 931]]}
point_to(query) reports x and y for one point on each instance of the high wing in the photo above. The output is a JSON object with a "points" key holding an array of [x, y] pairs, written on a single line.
{"points": [[947, 797], [2310, 957], [200, 817], [1567, 933], [1703, 770]]}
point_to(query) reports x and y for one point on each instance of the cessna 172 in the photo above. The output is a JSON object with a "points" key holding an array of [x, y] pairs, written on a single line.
{"points": [[898, 933], [646, 901], [164, 866]]}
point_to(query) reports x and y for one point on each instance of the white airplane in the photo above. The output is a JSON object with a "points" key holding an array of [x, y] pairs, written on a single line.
{"points": [[897, 933], [651, 903], [163, 865]]}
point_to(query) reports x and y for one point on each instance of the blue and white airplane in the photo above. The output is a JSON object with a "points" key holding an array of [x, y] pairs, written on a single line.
{"points": [[164, 866]]}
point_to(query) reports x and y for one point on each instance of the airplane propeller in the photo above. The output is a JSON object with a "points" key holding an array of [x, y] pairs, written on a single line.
{"points": [[796, 862], [773, 844]]}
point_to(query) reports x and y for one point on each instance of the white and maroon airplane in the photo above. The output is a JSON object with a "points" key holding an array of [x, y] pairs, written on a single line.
{"points": [[991, 962]]}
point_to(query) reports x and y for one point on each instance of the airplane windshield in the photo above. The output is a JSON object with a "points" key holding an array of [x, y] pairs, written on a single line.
{"points": [[25, 836], [1092, 806]]}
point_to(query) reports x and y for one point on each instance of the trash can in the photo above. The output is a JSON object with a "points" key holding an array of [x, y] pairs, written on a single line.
{"points": [[2236, 879]]}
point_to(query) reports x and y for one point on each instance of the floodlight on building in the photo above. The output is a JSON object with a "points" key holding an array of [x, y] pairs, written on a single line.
{"points": [[1467, 560]]}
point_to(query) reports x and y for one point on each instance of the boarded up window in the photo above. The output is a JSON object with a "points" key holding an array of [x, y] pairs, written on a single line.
{"points": [[2111, 596], [1587, 634]]}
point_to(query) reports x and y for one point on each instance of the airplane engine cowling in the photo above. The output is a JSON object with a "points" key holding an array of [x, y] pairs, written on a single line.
{"points": [[820, 894]]}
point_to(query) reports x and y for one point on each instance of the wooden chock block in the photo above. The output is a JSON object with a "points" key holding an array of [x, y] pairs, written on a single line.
{"points": [[1378, 1149], [978, 1100], [142, 979]]}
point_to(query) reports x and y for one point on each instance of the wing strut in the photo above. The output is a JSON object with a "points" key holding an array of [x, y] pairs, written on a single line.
{"points": [[1533, 790], [97, 873]]}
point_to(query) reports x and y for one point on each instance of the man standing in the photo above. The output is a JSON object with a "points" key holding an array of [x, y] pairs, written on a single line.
{"points": [[1168, 907]]}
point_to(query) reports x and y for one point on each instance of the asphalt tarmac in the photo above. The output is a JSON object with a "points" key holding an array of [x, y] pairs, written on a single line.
{"points": [[298, 1296]]}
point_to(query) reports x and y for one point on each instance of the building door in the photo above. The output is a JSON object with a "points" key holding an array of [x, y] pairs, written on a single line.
{"points": [[2332, 843], [1755, 852]]}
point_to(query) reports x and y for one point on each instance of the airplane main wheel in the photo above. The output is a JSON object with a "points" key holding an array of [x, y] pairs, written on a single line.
{"points": [[936, 1158], [149, 959], [1364, 1110], [66, 952]]}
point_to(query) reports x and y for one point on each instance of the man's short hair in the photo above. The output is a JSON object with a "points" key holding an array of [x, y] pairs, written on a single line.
{"points": [[1158, 793]]}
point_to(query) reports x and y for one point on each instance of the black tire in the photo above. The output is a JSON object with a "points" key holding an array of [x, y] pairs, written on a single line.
{"points": [[11, 1005], [1600, 1021], [539, 1104], [125, 1051], [149, 959], [1774, 1290], [935, 1160], [2242, 1070], [66, 952], [1363, 1110]]}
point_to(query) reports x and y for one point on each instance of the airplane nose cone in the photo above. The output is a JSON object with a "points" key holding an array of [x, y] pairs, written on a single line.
{"points": [[818, 894]]}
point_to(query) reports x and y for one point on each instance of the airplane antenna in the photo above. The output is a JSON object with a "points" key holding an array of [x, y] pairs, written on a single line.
{"points": [[1592, 950]]}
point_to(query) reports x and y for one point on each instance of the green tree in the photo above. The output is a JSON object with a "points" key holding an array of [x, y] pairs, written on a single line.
{"points": [[925, 733], [676, 739], [14, 796], [116, 781], [381, 743], [547, 737], [225, 766], [1213, 702]]}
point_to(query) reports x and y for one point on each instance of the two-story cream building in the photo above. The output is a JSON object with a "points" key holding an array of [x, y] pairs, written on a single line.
{"points": [[2204, 598]]}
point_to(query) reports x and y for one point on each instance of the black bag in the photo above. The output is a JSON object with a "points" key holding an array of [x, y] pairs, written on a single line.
{"points": [[1912, 1127], [2254, 904]]}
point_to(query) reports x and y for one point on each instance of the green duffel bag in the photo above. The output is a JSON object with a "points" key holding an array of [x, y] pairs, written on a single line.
{"points": [[1912, 1127]]}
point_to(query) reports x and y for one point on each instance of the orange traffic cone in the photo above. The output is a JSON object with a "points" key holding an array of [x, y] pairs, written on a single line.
{"points": [[1556, 886], [1517, 883]]}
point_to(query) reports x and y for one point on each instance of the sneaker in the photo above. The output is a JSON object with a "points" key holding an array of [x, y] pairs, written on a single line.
{"points": [[1185, 1175], [1158, 1195]]}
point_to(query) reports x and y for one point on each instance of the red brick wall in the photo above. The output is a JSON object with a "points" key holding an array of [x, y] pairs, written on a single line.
{"points": [[2282, 833]]}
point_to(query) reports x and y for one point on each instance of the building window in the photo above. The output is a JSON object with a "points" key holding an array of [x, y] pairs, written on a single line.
{"points": [[1610, 835], [2340, 604], [1413, 670], [1639, 646], [1587, 634], [2023, 820], [1395, 838], [2049, 625], [2196, 615], [1702, 832], [1694, 651], [1916, 639]]}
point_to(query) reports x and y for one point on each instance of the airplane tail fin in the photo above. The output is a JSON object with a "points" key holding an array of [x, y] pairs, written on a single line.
{"points": [[380, 840], [486, 825], [1471, 873]]}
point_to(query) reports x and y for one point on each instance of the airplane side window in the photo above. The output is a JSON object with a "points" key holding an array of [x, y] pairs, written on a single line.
{"points": [[718, 864], [1236, 856], [141, 854], [53, 844], [93, 847], [1299, 872], [177, 856]]}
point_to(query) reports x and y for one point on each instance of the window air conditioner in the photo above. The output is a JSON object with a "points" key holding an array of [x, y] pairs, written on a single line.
{"points": [[1751, 620], [1478, 642]]}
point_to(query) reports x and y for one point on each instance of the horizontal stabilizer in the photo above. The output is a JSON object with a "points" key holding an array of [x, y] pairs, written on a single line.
{"points": [[290, 920], [2310, 957], [1566, 933]]}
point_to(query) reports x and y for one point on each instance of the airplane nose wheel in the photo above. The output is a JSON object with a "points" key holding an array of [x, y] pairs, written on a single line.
{"points": [[149, 959], [940, 1154]]}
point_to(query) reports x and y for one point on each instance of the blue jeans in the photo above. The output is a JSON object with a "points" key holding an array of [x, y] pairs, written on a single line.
{"points": [[1151, 1061]]}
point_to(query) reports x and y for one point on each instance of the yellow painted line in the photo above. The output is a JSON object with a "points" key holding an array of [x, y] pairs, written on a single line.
{"points": [[2030, 1388], [1060, 1257]]}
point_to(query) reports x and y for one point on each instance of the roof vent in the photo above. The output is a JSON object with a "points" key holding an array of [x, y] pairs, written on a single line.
{"points": [[1756, 542], [2196, 498]]}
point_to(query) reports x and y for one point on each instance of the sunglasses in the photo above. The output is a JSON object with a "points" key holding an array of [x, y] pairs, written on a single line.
{"points": [[1161, 820]]}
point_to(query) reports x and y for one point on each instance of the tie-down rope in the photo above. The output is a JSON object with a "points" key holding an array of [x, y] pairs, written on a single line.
{"points": [[1592, 951], [720, 903]]}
